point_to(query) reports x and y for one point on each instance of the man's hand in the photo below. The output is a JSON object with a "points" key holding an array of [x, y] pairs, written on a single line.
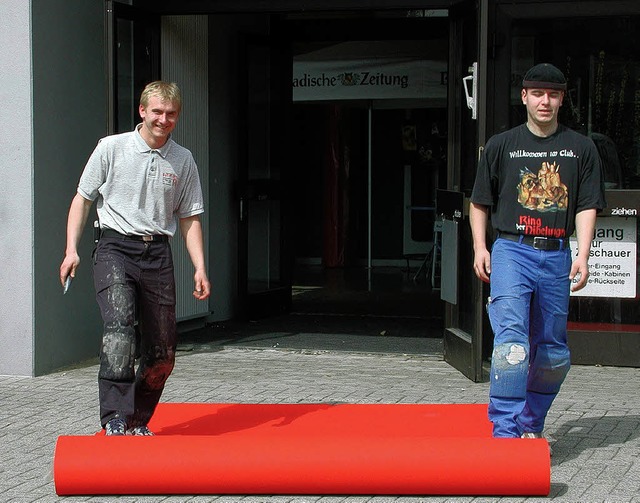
{"points": [[202, 286], [482, 264], [579, 270], [78, 213], [478, 218], [68, 267], [191, 229], [585, 225]]}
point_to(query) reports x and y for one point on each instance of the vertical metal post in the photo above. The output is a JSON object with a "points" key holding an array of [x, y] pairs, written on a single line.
{"points": [[369, 199], [110, 62], [481, 107]]}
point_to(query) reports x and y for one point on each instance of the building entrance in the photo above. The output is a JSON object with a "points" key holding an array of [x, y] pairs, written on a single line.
{"points": [[369, 151], [333, 190]]}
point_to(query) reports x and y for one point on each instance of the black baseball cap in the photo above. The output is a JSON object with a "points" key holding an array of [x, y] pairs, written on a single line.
{"points": [[544, 76]]}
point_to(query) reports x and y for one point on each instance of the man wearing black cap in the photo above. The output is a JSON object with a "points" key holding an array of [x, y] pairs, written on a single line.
{"points": [[539, 182]]}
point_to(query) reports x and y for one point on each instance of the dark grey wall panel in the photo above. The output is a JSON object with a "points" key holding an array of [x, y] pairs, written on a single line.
{"points": [[69, 116]]}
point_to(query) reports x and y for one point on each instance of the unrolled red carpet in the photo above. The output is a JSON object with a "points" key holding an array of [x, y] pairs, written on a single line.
{"points": [[306, 449]]}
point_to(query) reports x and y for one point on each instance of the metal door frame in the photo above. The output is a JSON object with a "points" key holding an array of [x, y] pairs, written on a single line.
{"points": [[463, 349]]}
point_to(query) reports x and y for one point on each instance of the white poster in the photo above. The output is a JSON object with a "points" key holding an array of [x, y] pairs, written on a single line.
{"points": [[612, 260], [367, 79]]}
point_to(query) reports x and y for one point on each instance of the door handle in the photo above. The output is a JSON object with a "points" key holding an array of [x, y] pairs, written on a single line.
{"points": [[472, 99]]}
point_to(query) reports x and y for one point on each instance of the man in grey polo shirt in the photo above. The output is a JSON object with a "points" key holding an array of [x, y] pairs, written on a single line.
{"points": [[145, 185]]}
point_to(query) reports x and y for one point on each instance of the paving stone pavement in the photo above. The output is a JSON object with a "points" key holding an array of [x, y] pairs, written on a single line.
{"points": [[594, 424]]}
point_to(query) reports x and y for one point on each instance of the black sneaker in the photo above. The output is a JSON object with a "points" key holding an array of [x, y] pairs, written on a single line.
{"points": [[140, 431], [116, 427]]}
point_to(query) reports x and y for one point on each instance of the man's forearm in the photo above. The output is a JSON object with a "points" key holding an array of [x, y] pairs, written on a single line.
{"points": [[78, 214], [478, 218], [585, 227], [191, 229]]}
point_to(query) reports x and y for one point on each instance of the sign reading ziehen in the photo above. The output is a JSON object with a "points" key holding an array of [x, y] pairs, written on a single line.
{"points": [[369, 79], [612, 259]]}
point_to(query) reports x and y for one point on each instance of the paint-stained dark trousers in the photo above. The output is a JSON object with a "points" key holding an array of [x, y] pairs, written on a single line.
{"points": [[134, 281]]}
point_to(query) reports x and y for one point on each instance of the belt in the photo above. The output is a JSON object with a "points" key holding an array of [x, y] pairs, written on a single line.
{"points": [[537, 242], [109, 233]]}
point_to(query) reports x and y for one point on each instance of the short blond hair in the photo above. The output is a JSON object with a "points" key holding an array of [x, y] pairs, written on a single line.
{"points": [[166, 91]]}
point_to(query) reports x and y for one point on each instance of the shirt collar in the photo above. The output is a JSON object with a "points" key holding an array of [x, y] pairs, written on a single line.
{"points": [[142, 146]]}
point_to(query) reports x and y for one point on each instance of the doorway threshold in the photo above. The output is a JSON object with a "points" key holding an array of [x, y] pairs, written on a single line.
{"points": [[320, 333]]}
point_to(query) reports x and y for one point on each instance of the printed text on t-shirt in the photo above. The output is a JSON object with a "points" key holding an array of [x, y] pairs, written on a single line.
{"points": [[554, 153]]}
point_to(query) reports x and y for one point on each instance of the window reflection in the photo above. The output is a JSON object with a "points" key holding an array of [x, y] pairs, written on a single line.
{"points": [[601, 59], [124, 57], [602, 66]]}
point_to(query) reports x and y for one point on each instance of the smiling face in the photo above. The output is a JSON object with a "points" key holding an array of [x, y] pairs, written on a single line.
{"points": [[542, 107], [159, 118]]}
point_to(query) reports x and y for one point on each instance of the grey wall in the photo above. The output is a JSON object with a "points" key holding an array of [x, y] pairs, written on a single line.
{"points": [[16, 197], [69, 116]]}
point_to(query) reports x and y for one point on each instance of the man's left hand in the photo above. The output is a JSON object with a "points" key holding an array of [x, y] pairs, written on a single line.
{"points": [[579, 272], [202, 288]]}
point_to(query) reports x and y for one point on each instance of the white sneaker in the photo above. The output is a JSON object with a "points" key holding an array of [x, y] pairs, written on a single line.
{"points": [[116, 427], [140, 431], [536, 434]]}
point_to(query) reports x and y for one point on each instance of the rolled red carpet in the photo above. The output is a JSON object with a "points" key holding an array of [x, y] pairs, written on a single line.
{"points": [[306, 449]]}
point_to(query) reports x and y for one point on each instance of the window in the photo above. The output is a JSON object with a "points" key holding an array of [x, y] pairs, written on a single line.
{"points": [[601, 59]]}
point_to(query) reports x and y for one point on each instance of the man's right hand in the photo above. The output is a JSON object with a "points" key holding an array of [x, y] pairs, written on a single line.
{"points": [[68, 267], [78, 213], [482, 264], [478, 218]]}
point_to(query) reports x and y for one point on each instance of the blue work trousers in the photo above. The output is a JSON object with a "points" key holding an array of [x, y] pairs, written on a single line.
{"points": [[528, 311]]}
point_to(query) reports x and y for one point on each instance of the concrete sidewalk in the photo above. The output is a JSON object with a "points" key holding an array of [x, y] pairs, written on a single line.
{"points": [[594, 425]]}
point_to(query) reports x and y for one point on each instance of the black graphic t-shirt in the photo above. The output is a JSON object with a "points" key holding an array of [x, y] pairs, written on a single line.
{"points": [[535, 186]]}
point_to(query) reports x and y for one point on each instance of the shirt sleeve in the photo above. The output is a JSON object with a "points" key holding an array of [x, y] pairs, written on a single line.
{"points": [[94, 174], [483, 192], [191, 200], [591, 184]]}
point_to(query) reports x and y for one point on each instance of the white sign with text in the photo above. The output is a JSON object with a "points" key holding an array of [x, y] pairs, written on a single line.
{"points": [[612, 259], [369, 79]]}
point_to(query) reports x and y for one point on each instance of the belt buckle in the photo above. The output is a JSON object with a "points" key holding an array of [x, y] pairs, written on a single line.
{"points": [[147, 238], [540, 243]]}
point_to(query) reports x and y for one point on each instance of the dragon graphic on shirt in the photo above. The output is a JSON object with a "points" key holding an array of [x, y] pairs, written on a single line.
{"points": [[543, 191]]}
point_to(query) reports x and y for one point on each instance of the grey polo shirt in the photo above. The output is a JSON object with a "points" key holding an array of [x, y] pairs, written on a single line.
{"points": [[140, 190]]}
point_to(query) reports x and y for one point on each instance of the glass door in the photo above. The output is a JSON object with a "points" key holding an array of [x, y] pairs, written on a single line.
{"points": [[133, 60], [264, 252], [595, 49]]}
